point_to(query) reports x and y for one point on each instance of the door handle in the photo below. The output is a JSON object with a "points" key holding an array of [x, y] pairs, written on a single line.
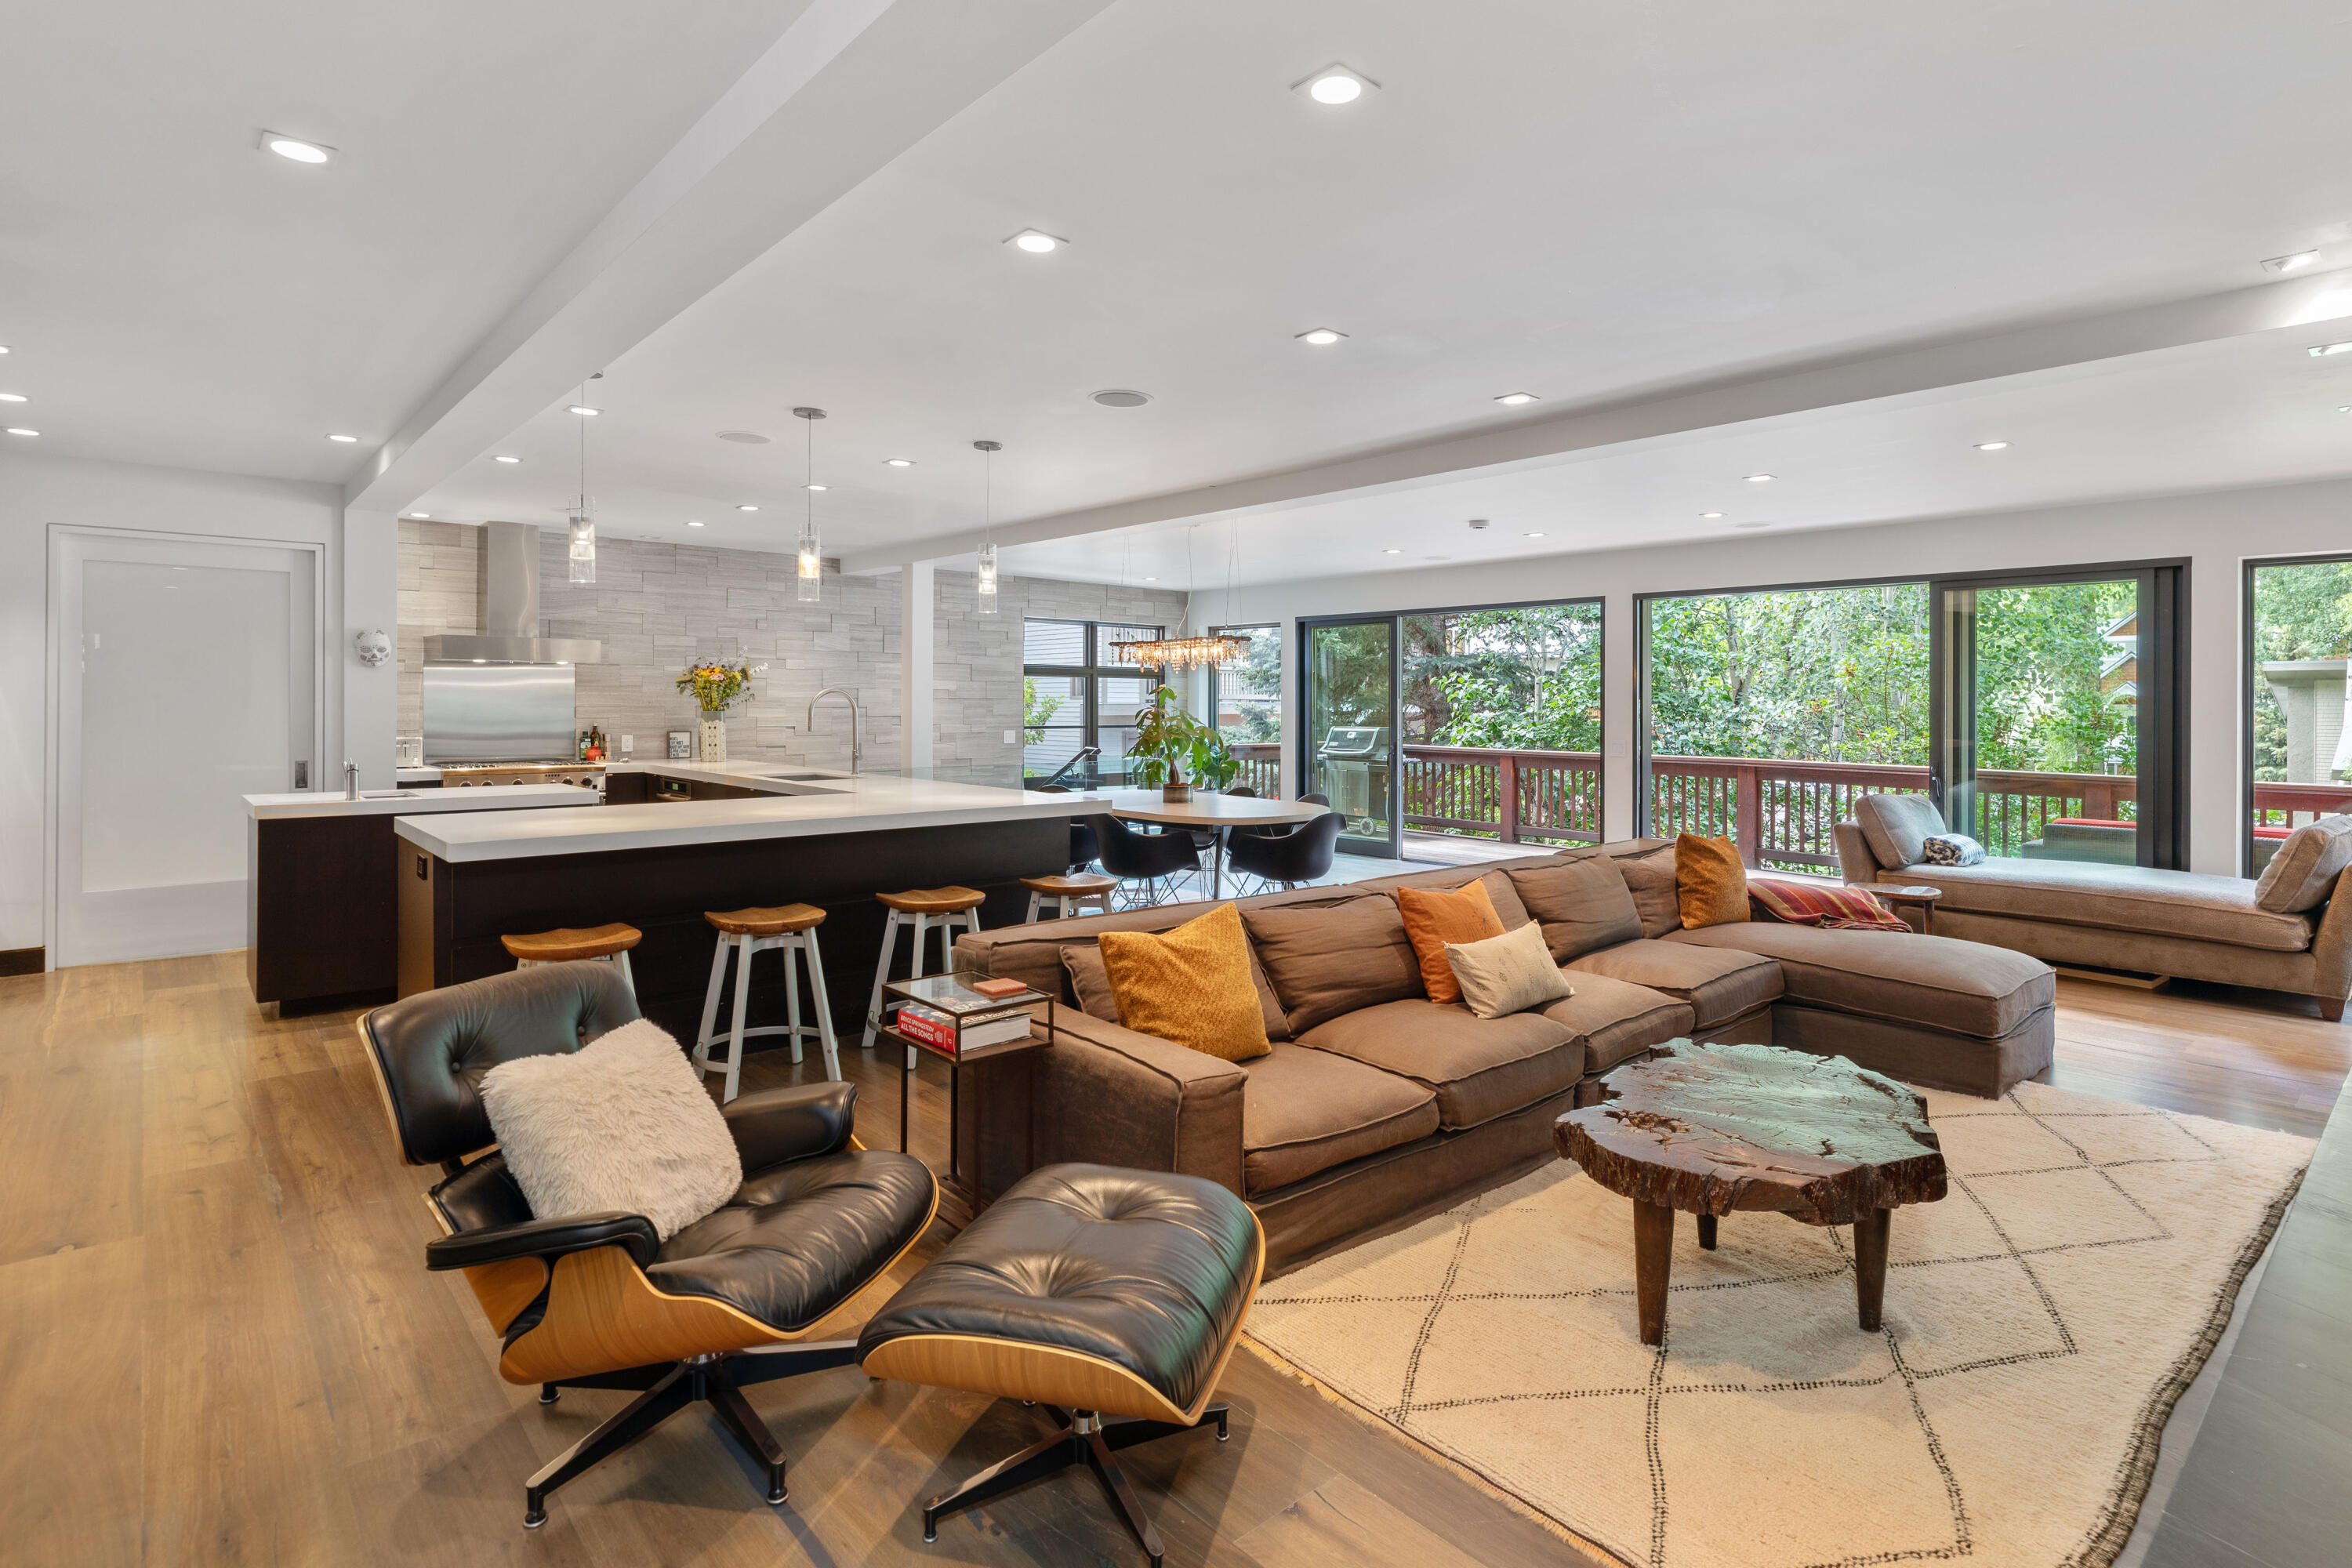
{"points": [[303, 775]]}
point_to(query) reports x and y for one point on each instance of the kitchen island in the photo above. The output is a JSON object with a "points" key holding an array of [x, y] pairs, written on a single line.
{"points": [[321, 930], [779, 835]]}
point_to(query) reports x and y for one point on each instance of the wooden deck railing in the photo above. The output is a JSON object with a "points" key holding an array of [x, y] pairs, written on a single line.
{"points": [[1783, 815]]}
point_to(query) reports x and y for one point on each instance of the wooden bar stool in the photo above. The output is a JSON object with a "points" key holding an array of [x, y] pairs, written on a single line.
{"points": [[919, 907], [1079, 888], [791, 929], [565, 945]]}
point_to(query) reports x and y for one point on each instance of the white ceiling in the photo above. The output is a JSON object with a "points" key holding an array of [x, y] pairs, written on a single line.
{"points": [[1595, 204], [174, 295], [1589, 205]]}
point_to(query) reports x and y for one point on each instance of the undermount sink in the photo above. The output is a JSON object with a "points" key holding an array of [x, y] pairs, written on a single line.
{"points": [[389, 793]]}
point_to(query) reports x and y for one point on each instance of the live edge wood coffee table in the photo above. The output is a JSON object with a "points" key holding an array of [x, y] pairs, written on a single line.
{"points": [[1711, 1130]]}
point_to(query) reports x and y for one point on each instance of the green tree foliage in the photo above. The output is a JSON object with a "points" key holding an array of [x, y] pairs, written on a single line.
{"points": [[1257, 674], [2301, 611], [1037, 710], [2047, 676], [1822, 675], [1523, 679]]}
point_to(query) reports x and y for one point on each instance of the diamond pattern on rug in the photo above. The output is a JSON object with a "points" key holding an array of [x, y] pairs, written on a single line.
{"points": [[2033, 1321]]}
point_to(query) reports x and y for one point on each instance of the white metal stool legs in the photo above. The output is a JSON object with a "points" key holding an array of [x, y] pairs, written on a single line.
{"points": [[792, 944], [1065, 904], [923, 928], [882, 974]]}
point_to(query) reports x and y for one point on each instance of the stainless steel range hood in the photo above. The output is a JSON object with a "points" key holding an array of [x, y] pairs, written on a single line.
{"points": [[509, 617]]}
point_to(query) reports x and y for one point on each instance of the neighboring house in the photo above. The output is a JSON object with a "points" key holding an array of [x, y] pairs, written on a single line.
{"points": [[2310, 693], [2119, 671]]}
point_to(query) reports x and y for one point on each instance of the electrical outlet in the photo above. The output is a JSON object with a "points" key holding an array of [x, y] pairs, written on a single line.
{"points": [[628, 743], [1008, 737]]}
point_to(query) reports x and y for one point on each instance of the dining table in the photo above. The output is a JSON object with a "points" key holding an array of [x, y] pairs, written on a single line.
{"points": [[1219, 813]]}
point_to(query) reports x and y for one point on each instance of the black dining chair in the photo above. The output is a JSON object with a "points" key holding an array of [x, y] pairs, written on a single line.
{"points": [[1083, 846], [1282, 829], [1291, 860], [1145, 858]]}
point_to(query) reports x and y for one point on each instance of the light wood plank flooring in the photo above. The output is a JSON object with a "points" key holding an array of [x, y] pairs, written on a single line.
{"points": [[218, 1345]]}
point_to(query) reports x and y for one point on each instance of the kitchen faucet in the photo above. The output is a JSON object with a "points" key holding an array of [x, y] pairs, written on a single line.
{"points": [[351, 779], [855, 750]]}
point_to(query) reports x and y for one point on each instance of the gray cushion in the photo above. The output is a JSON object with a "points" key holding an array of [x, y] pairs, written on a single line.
{"points": [[1304, 1111], [2118, 898], [2302, 874], [1328, 959], [1650, 878], [1897, 826], [1965, 987], [1479, 1068], [1583, 905], [1719, 983]]}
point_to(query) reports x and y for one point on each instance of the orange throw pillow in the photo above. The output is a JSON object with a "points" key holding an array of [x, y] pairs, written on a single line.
{"points": [[1190, 986], [1710, 884], [1432, 920]]}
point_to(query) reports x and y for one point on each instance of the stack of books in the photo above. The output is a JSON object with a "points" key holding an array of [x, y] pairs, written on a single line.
{"points": [[935, 1027]]}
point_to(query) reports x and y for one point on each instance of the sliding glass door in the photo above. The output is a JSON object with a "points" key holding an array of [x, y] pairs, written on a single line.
{"points": [[1350, 730], [2054, 714]]}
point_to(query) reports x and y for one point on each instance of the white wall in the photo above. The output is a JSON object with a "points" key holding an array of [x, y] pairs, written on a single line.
{"points": [[2216, 533], [38, 493]]}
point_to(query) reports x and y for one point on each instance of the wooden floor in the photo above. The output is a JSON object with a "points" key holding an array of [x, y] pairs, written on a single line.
{"points": [[218, 1345]]}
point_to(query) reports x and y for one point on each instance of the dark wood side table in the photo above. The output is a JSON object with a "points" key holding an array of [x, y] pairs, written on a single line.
{"points": [[952, 995], [1924, 898]]}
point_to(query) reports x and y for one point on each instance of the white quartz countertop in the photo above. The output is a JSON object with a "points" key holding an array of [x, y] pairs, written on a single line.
{"points": [[780, 777], [804, 807], [403, 803]]}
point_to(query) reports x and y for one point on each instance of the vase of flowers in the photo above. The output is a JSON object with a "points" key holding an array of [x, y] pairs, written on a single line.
{"points": [[715, 688]]}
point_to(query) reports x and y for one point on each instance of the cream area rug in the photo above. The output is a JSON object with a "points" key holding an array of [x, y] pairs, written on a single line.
{"points": [[2040, 1321]]}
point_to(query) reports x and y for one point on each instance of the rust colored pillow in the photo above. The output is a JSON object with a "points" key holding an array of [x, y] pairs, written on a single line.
{"points": [[1190, 986], [1710, 884], [1432, 920]]}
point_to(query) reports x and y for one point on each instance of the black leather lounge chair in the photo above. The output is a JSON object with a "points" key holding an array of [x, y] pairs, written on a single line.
{"points": [[595, 1301]]}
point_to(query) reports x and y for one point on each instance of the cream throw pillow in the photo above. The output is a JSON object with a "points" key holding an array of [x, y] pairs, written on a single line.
{"points": [[1507, 973], [621, 1124]]}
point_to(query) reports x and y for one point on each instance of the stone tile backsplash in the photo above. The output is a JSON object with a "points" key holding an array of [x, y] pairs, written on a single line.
{"points": [[654, 606]]}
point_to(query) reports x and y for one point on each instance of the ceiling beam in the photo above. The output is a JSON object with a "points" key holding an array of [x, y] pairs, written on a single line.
{"points": [[1925, 374], [850, 85]]}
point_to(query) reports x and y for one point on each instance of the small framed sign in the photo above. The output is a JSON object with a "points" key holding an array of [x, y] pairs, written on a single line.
{"points": [[682, 745]]}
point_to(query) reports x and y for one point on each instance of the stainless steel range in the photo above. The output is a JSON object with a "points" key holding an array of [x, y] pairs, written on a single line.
{"points": [[460, 775]]}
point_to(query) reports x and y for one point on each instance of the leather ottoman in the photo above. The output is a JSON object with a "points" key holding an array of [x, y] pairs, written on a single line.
{"points": [[1112, 1298]]}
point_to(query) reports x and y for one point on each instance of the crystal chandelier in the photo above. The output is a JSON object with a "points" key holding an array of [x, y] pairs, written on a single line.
{"points": [[1193, 652], [811, 574], [984, 585], [583, 521]]}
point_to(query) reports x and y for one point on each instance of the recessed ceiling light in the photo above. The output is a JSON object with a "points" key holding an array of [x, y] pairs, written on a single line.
{"points": [[1035, 241], [1120, 397], [294, 148], [1152, 579], [1334, 84], [1759, 478], [1531, 536], [1392, 552], [2294, 263], [1710, 515], [4, 348], [2320, 351], [1751, 525], [747, 507], [1993, 445], [584, 412], [1321, 337], [502, 457], [692, 524], [1513, 399], [20, 430], [900, 462], [748, 437], [815, 487], [12, 397], [345, 440]]}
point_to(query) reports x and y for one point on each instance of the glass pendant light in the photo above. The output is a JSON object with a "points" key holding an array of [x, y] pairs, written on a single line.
{"points": [[810, 578], [985, 584], [583, 521]]}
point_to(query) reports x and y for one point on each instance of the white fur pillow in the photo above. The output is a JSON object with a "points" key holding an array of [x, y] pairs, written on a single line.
{"points": [[622, 1123]]}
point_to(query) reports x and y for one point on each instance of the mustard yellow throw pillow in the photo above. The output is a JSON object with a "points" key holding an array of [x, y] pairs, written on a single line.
{"points": [[1432, 920], [1710, 884], [1190, 986]]}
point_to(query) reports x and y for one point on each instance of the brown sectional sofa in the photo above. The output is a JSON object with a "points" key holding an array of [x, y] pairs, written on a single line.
{"points": [[1379, 1106], [2289, 932]]}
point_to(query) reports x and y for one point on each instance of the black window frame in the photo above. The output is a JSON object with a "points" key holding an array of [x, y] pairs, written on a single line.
{"points": [[1091, 673]]}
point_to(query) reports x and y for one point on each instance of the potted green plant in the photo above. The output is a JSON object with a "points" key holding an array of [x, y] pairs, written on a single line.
{"points": [[1168, 739], [715, 688]]}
